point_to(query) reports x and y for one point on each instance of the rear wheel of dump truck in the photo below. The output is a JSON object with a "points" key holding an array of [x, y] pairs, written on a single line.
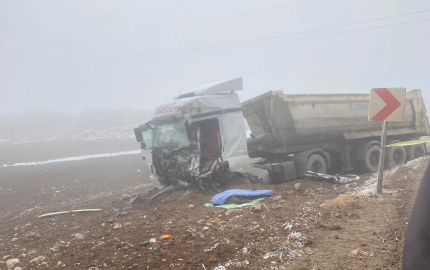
{"points": [[416, 151], [371, 159], [396, 155], [316, 163]]}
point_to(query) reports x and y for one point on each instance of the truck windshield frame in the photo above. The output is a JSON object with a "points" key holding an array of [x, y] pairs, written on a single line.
{"points": [[167, 136]]}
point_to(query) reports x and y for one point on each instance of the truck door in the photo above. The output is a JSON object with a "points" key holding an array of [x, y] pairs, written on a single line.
{"points": [[144, 136], [146, 149]]}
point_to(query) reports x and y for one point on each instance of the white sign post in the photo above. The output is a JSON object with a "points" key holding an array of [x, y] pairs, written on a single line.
{"points": [[386, 105]]}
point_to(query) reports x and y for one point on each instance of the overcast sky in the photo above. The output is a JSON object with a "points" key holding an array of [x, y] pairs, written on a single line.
{"points": [[72, 56]]}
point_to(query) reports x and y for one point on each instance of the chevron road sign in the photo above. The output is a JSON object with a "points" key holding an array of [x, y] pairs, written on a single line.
{"points": [[387, 104]]}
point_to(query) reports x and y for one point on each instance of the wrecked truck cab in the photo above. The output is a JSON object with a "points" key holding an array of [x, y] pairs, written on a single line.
{"points": [[171, 149], [199, 137]]}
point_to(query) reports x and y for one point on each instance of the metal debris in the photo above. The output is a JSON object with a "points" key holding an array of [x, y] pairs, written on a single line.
{"points": [[128, 204], [338, 179], [179, 184], [68, 212], [115, 213]]}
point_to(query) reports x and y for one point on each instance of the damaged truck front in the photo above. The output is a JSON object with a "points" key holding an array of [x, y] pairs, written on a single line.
{"points": [[199, 137]]}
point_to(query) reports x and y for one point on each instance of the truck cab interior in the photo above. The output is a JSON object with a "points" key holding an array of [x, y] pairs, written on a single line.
{"points": [[209, 143]]}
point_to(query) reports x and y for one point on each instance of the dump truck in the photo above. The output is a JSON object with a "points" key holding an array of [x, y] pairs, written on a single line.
{"points": [[201, 136]]}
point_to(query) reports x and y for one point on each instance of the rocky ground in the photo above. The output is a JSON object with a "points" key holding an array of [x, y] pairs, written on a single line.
{"points": [[307, 224]]}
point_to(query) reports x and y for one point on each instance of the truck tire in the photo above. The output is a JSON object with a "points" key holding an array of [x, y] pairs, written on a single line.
{"points": [[396, 156], [316, 163], [416, 151], [371, 159]]}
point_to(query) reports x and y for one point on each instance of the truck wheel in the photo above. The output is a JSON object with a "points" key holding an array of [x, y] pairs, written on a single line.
{"points": [[396, 156], [316, 163], [417, 151], [371, 162]]}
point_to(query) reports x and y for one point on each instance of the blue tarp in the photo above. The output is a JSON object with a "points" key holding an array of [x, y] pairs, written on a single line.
{"points": [[220, 198]]}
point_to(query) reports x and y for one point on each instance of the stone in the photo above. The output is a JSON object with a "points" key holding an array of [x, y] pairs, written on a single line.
{"points": [[297, 186], [79, 236], [18, 268], [190, 206], [11, 263], [256, 207], [205, 228], [31, 236], [38, 260], [228, 212], [117, 226], [59, 263], [14, 239], [56, 247], [125, 197], [153, 240], [6, 257]]}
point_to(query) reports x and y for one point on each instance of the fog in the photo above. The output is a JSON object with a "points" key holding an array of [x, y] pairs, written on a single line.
{"points": [[70, 57]]}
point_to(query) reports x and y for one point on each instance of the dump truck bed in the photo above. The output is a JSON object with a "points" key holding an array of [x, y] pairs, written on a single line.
{"points": [[298, 119]]}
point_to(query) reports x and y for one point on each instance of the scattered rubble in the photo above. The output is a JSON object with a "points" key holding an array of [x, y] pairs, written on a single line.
{"points": [[256, 207], [125, 197], [56, 247], [11, 263], [38, 260], [79, 236], [299, 226], [365, 251], [31, 236]]}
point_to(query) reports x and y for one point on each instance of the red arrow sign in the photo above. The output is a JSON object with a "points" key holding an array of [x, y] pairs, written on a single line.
{"points": [[390, 100]]}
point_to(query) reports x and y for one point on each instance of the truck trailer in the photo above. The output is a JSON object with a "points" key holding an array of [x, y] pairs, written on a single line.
{"points": [[200, 136]]}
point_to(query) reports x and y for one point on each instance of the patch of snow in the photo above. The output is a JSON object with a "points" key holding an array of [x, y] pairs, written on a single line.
{"points": [[415, 164], [77, 158], [297, 239], [369, 186], [91, 135], [287, 226], [229, 263]]}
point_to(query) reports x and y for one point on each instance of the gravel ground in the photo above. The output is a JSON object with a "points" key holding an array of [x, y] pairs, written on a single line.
{"points": [[313, 225]]}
